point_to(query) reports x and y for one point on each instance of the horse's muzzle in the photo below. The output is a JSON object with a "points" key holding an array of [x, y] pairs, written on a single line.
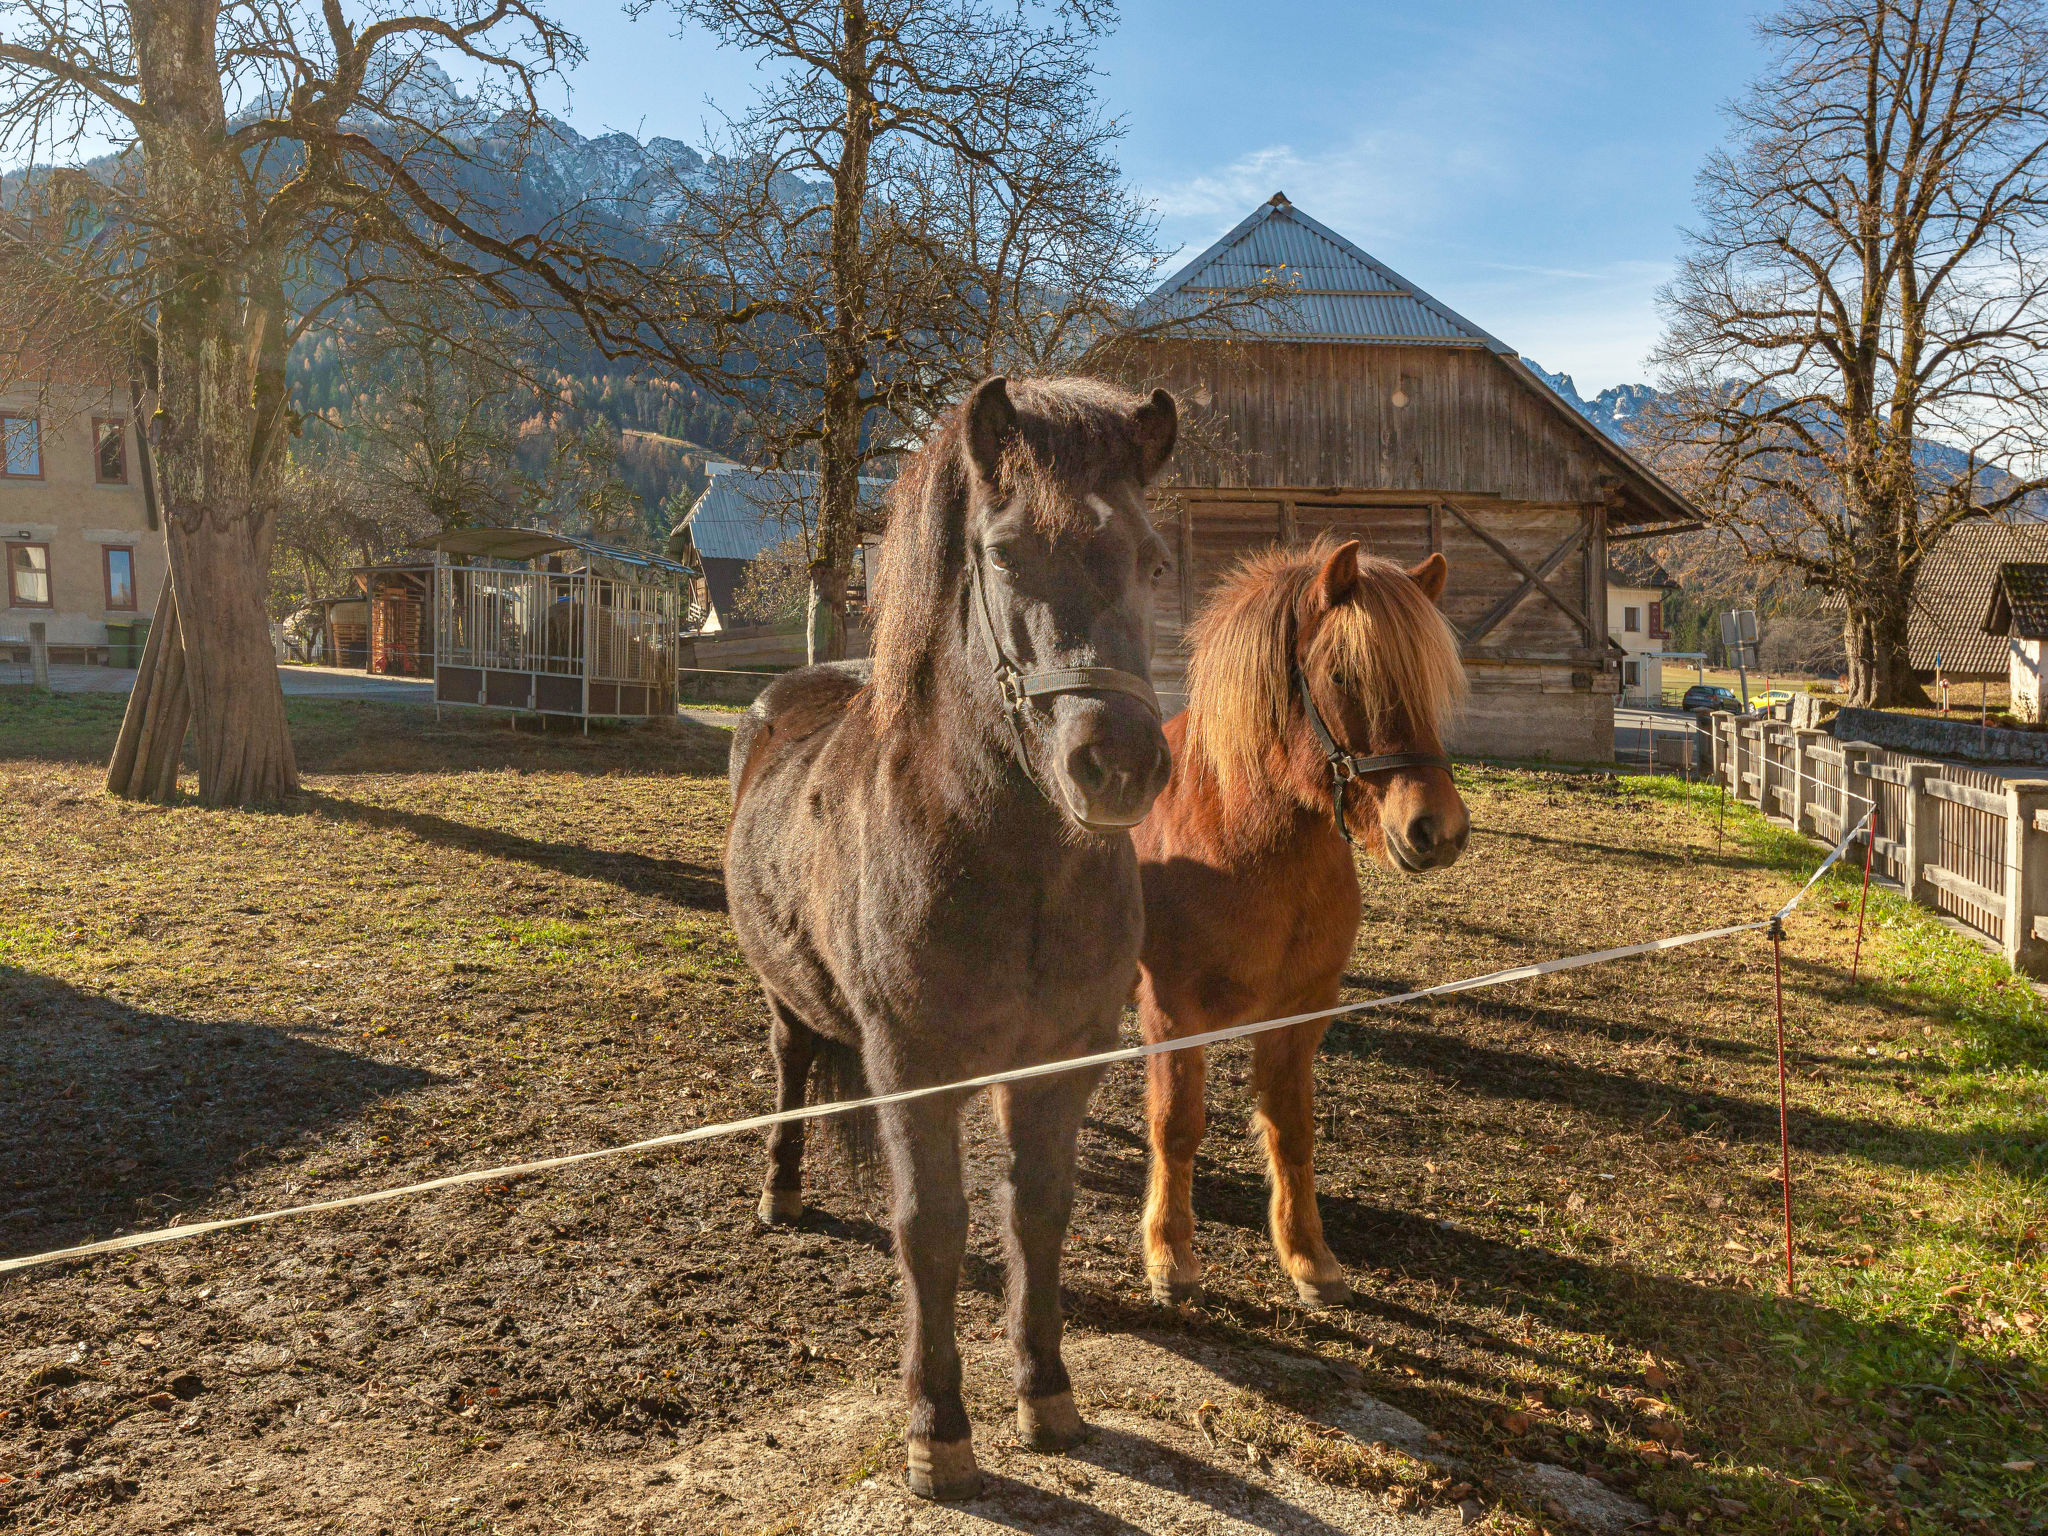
{"points": [[1429, 840], [1112, 761]]}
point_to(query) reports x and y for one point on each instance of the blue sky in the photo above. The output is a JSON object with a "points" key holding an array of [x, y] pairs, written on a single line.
{"points": [[1529, 162]]}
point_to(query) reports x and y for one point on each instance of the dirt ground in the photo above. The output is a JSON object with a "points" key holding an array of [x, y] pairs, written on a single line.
{"points": [[468, 946]]}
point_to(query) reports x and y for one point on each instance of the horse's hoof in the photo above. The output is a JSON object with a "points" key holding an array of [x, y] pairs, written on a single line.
{"points": [[943, 1470], [1317, 1294], [781, 1207], [1050, 1423], [1169, 1292]]}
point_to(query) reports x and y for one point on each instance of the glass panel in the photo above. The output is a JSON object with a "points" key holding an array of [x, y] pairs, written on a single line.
{"points": [[111, 454], [24, 445], [120, 578], [29, 566]]}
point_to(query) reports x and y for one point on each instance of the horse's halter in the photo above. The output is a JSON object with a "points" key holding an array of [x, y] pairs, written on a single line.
{"points": [[1019, 687], [1346, 766]]}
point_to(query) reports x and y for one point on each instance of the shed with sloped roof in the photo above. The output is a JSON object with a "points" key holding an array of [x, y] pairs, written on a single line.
{"points": [[2019, 615], [1353, 402], [742, 515]]}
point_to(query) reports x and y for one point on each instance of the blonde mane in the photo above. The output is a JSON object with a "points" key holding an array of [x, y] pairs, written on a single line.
{"points": [[1395, 650]]}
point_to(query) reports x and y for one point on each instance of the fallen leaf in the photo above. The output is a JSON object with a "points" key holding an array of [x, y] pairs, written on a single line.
{"points": [[1655, 1377], [1515, 1423], [1731, 1506], [2018, 1466]]}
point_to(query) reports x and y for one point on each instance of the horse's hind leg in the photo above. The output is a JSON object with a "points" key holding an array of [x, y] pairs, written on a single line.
{"points": [[795, 1048], [1283, 1074], [922, 1140], [1041, 1121]]}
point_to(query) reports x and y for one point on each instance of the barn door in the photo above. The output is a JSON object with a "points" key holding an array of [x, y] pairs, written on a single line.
{"points": [[1519, 579]]}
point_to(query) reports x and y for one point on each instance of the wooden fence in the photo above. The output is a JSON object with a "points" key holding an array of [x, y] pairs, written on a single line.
{"points": [[1967, 841]]}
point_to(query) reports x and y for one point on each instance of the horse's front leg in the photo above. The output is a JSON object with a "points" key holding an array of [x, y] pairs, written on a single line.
{"points": [[922, 1142], [1283, 1075], [794, 1047], [1042, 1121], [1175, 1118]]}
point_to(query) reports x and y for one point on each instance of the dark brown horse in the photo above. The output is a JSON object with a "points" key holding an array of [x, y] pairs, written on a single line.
{"points": [[1318, 681], [932, 872]]}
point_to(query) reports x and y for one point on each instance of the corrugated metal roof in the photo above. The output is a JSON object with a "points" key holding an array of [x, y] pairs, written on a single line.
{"points": [[1336, 292], [1953, 594], [744, 511]]}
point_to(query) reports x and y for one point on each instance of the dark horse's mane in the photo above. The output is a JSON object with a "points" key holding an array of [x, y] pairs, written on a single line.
{"points": [[1070, 432]]}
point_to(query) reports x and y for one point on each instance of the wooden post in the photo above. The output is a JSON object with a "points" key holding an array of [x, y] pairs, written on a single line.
{"points": [[1856, 789], [1922, 846], [2026, 876], [1803, 785], [1185, 554], [39, 654], [1723, 764], [1290, 528]]}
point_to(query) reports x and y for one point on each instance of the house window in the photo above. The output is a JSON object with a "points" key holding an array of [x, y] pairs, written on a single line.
{"points": [[1632, 674], [1656, 618], [28, 575], [109, 450], [1632, 620], [120, 572], [21, 448]]}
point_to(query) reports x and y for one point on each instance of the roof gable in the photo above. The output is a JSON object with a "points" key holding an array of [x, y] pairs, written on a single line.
{"points": [[1952, 595], [1337, 291], [2019, 601]]}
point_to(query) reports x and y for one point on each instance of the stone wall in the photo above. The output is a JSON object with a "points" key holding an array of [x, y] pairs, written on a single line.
{"points": [[1941, 738]]}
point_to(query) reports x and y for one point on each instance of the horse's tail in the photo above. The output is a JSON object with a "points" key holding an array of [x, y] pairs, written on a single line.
{"points": [[838, 1075]]}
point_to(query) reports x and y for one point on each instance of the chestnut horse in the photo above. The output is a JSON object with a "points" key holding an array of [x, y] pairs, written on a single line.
{"points": [[931, 872], [1318, 682]]}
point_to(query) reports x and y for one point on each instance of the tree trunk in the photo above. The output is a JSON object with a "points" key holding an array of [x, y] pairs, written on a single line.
{"points": [[839, 446], [217, 425], [1880, 656]]}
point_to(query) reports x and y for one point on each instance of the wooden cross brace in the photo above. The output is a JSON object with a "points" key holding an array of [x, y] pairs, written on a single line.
{"points": [[1533, 579]]}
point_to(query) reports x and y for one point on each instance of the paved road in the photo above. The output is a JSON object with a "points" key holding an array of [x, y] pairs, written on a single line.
{"points": [[297, 682]]}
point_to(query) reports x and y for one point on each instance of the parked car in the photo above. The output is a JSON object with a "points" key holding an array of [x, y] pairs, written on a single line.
{"points": [[1709, 696], [1775, 696]]}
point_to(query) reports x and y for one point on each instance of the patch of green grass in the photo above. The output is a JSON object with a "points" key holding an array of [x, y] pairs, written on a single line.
{"points": [[1918, 1360]]}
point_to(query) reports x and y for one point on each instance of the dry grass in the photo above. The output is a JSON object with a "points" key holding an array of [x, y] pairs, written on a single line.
{"points": [[468, 945]]}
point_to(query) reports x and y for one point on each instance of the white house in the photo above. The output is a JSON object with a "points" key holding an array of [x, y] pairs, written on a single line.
{"points": [[2019, 612], [1637, 589]]}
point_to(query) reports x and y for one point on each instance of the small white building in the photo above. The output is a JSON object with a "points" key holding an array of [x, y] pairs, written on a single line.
{"points": [[2019, 612], [1637, 590]]}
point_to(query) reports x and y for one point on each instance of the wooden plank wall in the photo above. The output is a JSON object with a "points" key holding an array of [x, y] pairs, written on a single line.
{"points": [[1324, 414]]}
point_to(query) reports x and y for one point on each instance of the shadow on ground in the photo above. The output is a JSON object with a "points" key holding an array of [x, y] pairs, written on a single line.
{"points": [[113, 1117]]}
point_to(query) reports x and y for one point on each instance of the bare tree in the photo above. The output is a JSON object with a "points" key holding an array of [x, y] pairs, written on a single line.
{"points": [[925, 195], [275, 160], [1854, 359]]}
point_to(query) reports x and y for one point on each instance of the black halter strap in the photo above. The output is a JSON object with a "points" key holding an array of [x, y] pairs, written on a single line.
{"points": [[1019, 688], [1346, 766]]}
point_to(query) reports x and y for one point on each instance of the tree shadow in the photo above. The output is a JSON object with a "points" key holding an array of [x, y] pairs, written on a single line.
{"points": [[682, 884], [113, 1117], [1626, 1100]]}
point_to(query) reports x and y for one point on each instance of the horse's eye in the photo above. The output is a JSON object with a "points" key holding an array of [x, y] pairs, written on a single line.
{"points": [[1158, 569], [1003, 557]]}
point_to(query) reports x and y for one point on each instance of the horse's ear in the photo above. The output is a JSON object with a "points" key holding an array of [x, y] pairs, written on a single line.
{"points": [[1156, 425], [1430, 576], [1339, 576], [991, 418]]}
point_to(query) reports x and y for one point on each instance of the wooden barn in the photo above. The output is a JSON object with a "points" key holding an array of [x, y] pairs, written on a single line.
{"points": [[1360, 406]]}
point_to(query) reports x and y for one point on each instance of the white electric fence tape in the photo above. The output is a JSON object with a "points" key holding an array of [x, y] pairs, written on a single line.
{"points": [[964, 1085]]}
